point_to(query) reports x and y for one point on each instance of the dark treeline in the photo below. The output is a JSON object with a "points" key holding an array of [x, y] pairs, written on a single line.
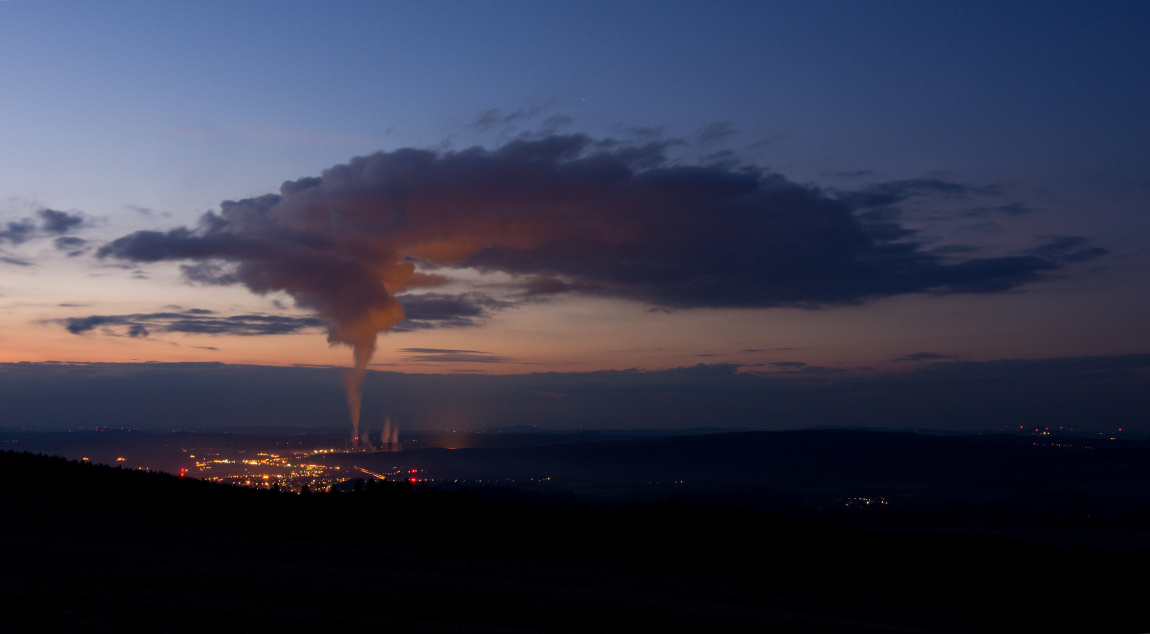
{"points": [[773, 556]]}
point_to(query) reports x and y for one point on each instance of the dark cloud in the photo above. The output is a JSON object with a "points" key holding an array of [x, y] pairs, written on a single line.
{"points": [[925, 356], [496, 117], [487, 118], [723, 158], [439, 355], [18, 231], [73, 245], [243, 324], [59, 221], [14, 261], [210, 273], [443, 310], [78, 325], [600, 216], [52, 222], [539, 286], [198, 321], [894, 192]]}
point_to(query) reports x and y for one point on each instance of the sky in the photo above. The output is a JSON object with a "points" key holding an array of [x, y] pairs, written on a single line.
{"points": [[783, 189]]}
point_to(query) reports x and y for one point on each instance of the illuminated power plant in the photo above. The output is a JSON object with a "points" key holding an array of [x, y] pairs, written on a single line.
{"points": [[387, 441]]}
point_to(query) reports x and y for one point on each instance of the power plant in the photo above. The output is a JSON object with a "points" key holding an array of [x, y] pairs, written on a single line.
{"points": [[386, 441]]}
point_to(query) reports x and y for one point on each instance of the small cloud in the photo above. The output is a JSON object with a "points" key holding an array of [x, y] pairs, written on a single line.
{"points": [[18, 231], [441, 355], [211, 273], [553, 123], [894, 192], [73, 245], [540, 286], [497, 118], [444, 310], [717, 131], [1069, 249], [787, 364], [818, 369], [487, 118], [59, 221], [925, 356], [194, 321]]}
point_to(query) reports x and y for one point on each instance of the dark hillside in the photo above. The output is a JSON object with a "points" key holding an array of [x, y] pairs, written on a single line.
{"points": [[123, 550]]}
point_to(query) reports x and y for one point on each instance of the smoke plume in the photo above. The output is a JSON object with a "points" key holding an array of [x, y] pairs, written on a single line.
{"points": [[563, 214]]}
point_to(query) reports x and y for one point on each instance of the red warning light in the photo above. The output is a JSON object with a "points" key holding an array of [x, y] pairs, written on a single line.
{"points": [[183, 471]]}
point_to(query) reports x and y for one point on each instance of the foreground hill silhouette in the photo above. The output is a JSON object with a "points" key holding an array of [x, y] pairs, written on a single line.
{"points": [[116, 550]]}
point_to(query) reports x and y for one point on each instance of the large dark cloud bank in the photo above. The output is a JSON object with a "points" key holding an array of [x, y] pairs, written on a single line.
{"points": [[572, 214]]}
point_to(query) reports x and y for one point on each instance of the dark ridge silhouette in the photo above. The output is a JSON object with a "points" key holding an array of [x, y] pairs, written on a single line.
{"points": [[80, 535]]}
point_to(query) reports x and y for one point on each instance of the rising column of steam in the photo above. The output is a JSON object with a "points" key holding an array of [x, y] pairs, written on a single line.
{"points": [[357, 309], [362, 342], [353, 384], [389, 437], [560, 213]]}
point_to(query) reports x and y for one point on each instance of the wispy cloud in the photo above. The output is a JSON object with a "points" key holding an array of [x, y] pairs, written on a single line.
{"points": [[441, 355], [925, 356], [192, 321]]}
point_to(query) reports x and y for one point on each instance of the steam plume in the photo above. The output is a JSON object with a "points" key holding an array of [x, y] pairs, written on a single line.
{"points": [[569, 214]]}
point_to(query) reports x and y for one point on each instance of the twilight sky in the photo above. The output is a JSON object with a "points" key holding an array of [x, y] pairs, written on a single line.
{"points": [[505, 187]]}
